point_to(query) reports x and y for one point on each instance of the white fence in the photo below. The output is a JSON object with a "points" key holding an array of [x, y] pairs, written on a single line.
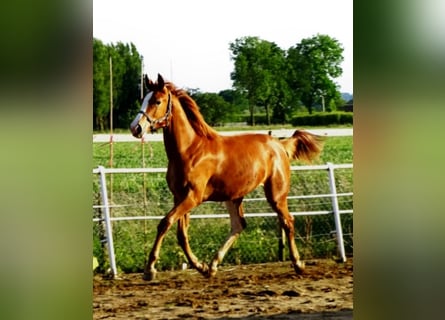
{"points": [[126, 137], [333, 195]]}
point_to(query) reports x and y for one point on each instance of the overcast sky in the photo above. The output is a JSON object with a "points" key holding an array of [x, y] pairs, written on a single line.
{"points": [[187, 42]]}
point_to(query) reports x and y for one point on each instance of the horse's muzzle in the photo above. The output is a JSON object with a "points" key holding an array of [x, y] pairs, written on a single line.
{"points": [[138, 127], [137, 131]]}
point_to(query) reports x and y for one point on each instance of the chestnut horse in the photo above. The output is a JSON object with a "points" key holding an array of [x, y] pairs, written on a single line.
{"points": [[205, 166]]}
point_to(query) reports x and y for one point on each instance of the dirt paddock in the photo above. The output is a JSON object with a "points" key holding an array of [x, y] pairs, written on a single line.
{"points": [[257, 292]]}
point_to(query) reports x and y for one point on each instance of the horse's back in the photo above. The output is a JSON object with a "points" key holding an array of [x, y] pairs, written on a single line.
{"points": [[254, 148]]}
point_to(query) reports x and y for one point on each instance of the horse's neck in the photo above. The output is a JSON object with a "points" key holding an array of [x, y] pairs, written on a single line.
{"points": [[179, 135]]}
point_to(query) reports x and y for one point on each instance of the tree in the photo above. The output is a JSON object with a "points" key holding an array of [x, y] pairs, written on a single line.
{"points": [[213, 107], [126, 71], [312, 65], [126, 82], [258, 73], [101, 104], [236, 99]]}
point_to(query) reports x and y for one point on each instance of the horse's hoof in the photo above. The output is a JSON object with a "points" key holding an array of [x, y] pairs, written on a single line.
{"points": [[203, 268], [299, 267], [149, 276], [212, 272]]}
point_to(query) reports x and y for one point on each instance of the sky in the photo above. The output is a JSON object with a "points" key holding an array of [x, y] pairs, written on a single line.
{"points": [[187, 41]]}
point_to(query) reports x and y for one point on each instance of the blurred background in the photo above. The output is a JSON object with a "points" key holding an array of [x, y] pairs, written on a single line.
{"points": [[46, 100]]}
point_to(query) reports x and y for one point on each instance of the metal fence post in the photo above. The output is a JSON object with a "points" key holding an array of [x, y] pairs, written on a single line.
{"points": [[106, 217], [337, 220], [281, 244]]}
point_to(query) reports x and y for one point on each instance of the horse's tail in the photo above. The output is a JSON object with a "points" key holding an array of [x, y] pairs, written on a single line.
{"points": [[303, 146]]}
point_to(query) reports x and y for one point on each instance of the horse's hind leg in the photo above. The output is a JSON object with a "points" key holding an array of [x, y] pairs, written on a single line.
{"points": [[238, 223], [279, 205], [287, 223], [183, 225]]}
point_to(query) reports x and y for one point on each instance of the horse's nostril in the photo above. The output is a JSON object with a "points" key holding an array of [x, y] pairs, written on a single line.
{"points": [[136, 130]]}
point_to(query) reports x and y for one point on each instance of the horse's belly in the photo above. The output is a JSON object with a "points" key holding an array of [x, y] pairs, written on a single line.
{"points": [[231, 188]]}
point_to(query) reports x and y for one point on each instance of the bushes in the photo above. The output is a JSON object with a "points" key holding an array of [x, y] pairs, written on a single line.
{"points": [[322, 119], [315, 119]]}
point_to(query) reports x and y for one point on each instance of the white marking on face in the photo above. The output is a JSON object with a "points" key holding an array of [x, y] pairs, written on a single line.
{"points": [[145, 102], [138, 117]]}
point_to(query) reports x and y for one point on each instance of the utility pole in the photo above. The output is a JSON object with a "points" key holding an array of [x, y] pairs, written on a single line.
{"points": [[111, 126], [142, 77], [111, 112], [321, 93], [322, 101]]}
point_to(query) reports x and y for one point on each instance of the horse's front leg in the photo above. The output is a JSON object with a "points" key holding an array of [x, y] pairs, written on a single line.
{"points": [[176, 213], [183, 240]]}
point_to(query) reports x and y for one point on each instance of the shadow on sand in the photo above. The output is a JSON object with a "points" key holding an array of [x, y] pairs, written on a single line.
{"points": [[331, 315]]}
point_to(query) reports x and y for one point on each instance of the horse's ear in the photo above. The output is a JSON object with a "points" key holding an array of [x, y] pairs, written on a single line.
{"points": [[160, 82]]}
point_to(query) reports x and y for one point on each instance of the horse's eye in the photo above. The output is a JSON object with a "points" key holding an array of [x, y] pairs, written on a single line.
{"points": [[158, 102]]}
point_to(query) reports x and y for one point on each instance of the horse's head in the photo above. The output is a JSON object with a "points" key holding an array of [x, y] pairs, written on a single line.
{"points": [[156, 109]]}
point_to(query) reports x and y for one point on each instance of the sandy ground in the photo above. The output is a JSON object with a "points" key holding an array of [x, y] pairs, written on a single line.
{"points": [[259, 292]]}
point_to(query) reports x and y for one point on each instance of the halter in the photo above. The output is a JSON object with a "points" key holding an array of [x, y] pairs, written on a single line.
{"points": [[165, 117]]}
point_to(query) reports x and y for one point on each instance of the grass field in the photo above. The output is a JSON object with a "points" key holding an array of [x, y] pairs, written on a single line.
{"points": [[140, 194], [152, 154]]}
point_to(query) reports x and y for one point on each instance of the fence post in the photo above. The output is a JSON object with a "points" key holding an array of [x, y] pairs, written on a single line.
{"points": [[106, 217], [281, 244], [337, 220]]}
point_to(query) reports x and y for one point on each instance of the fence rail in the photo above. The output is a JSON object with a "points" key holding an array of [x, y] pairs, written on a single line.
{"points": [[106, 217]]}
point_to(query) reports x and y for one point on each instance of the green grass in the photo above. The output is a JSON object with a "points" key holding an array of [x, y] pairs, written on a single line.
{"points": [[152, 154], [148, 194]]}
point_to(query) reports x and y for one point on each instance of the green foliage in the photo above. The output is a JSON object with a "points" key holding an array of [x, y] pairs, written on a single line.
{"points": [[258, 73], [323, 119], [130, 155], [260, 119], [236, 98], [101, 75], [315, 119], [214, 108], [280, 80], [312, 65], [126, 73]]}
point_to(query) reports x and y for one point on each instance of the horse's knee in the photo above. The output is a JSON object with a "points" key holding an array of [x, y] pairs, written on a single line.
{"points": [[164, 225], [286, 221]]}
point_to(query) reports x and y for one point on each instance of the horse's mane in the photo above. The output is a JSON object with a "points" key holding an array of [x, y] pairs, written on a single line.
{"points": [[191, 110]]}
